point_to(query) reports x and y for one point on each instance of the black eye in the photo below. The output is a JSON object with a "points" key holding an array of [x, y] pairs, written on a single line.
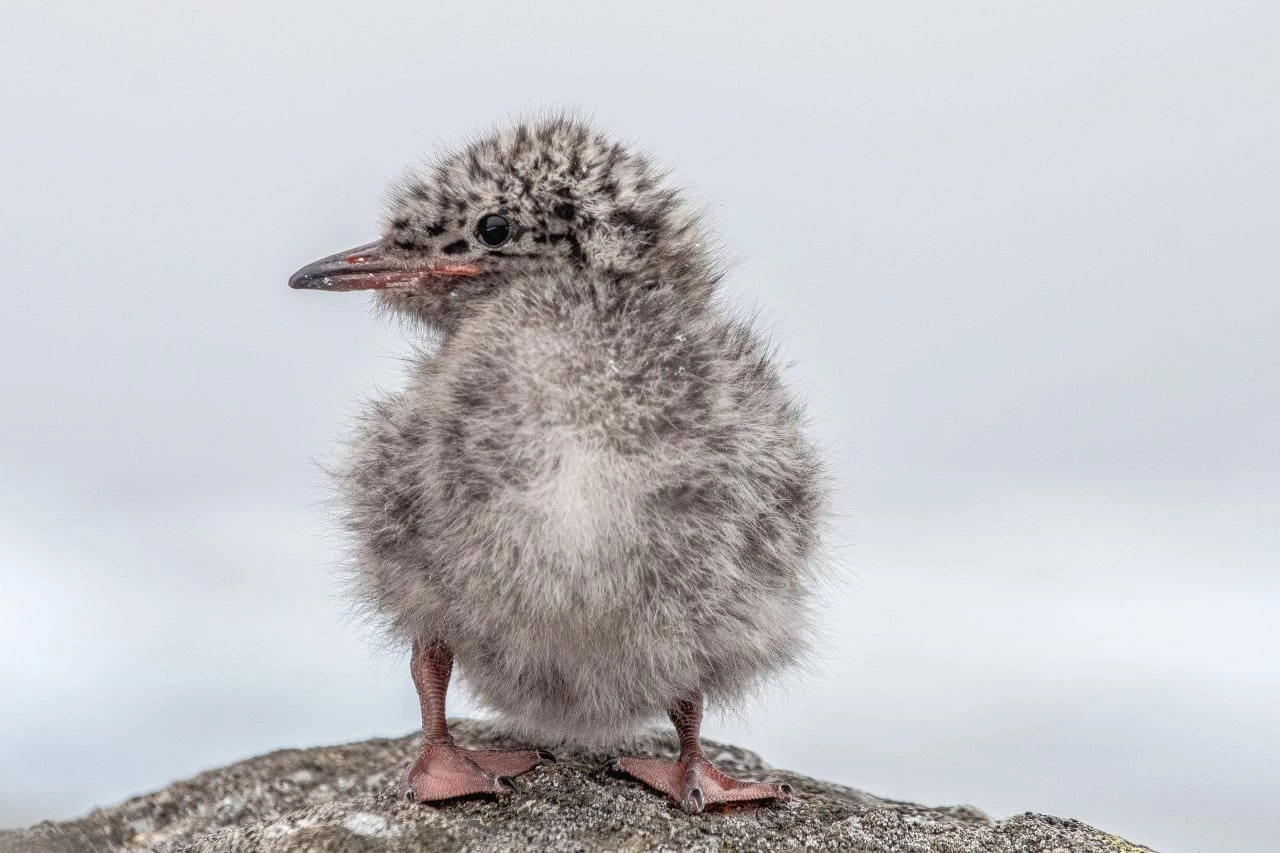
{"points": [[493, 230]]}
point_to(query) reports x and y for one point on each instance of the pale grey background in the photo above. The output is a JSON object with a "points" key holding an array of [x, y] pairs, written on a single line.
{"points": [[1024, 257]]}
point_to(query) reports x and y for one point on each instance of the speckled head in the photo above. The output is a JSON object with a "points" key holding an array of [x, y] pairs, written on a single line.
{"points": [[546, 198]]}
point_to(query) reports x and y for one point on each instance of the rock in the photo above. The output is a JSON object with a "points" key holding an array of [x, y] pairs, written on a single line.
{"points": [[343, 798]]}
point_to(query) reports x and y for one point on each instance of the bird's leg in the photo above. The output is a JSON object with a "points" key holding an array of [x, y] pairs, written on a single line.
{"points": [[443, 769], [692, 781]]}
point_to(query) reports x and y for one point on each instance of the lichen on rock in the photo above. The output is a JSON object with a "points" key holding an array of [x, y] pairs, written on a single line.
{"points": [[343, 798]]}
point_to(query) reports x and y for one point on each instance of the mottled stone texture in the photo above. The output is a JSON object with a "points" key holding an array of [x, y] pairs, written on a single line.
{"points": [[340, 798]]}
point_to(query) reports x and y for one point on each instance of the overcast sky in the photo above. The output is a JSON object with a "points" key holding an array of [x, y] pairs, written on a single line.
{"points": [[1023, 258]]}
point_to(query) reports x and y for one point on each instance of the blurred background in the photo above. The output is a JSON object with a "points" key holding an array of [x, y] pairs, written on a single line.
{"points": [[1023, 258]]}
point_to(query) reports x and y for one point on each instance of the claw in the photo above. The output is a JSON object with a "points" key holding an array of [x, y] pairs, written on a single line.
{"points": [[610, 767], [508, 783], [694, 803], [786, 790], [546, 756], [408, 794]]}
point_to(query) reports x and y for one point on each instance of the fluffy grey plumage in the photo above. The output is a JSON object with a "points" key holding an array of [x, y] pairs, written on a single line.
{"points": [[596, 490]]}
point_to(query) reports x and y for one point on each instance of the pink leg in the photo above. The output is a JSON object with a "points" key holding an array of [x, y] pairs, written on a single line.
{"points": [[444, 770], [692, 781]]}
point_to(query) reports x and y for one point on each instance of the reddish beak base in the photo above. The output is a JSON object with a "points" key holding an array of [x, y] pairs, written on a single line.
{"points": [[368, 268]]}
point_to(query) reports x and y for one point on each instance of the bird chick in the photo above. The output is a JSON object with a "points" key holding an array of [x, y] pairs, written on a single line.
{"points": [[595, 494]]}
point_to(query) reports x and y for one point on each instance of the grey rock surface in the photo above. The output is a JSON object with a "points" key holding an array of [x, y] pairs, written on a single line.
{"points": [[342, 798]]}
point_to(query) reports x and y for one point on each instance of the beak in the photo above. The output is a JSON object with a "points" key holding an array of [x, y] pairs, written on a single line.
{"points": [[368, 268]]}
